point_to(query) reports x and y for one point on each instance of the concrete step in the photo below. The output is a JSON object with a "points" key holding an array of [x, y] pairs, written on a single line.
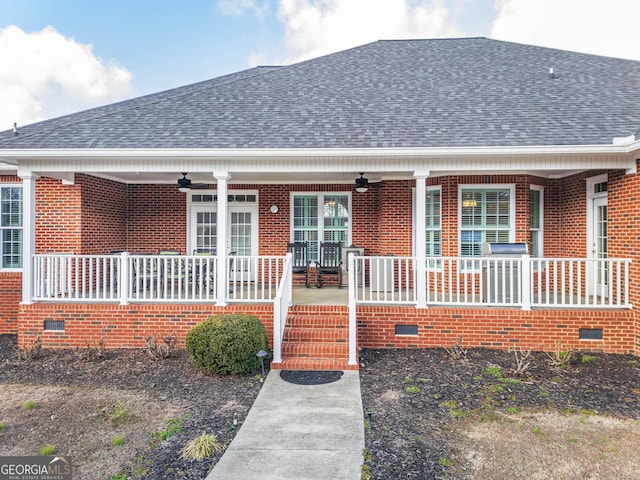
{"points": [[313, 364]]}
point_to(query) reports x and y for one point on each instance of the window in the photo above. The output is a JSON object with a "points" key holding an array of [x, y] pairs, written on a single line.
{"points": [[433, 233], [486, 215], [11, 226], [333, 226], [536, 202]]}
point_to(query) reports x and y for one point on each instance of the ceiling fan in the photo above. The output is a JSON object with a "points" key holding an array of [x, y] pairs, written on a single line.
{"points": [[185, 184]]}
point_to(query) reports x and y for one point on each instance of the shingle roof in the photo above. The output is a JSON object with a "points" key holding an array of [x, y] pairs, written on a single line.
{"points": [[396, 93]]}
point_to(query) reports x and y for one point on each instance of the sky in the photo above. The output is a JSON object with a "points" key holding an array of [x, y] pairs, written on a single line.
{"points": [[62, 56]]}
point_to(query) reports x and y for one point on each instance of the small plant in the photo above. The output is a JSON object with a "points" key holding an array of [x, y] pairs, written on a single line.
{"points": [[47, 450], [456, 351], [202, 446], [174, 426], [543, 391], [454, 409], [522, 361], [227, 344], [445, 462], [117, 414], [512, 410], [494, 370], [1, 426], [29, 405], [412, 389], [365, 469], [537, 432], [31, 351], [93, 350], [588, 358], [160, 348], [560, 357], [117, 440], [119, 476], [496, 387]]}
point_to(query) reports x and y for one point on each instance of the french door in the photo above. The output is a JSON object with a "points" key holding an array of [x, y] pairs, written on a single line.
{"points": [[242, 234], [599, 274]]}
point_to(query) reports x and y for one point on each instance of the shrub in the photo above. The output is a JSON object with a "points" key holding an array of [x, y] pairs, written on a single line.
{"points": [[227, 344]]}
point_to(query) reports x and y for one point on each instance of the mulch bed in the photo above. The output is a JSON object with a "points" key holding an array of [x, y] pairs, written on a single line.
{"points": [[173, 379], [411, 397]]}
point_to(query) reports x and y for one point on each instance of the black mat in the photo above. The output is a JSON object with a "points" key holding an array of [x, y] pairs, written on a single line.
{"points": [[310, 377]]}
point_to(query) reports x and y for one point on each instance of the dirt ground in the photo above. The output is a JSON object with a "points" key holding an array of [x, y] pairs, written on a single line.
{"points": [[427, 415]]}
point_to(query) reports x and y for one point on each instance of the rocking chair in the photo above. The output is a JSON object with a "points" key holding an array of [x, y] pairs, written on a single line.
{"points": [[300, 260], [330, 262]]}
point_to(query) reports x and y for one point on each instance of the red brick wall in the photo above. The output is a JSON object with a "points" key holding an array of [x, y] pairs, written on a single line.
{"points": [[58, 217], [156, 218], [495, 328], [10, 298], [104, 215], [123, 326]]}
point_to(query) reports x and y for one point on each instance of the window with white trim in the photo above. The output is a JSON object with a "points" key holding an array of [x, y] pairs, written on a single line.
{"points": [[433, 224], [536, 220], [11, 226], [486, 215], [322, 217]]}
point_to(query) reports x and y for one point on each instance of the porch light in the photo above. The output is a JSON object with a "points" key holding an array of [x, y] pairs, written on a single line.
{"points": [[362, 184], [184, 184]]}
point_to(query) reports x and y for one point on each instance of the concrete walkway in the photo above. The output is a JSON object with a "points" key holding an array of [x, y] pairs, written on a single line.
{"points": [[299, 432]]}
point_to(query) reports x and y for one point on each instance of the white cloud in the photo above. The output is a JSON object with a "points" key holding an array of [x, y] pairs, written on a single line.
{"points": [[318, 27], [44, 74], [238, 7], [591, 26]]}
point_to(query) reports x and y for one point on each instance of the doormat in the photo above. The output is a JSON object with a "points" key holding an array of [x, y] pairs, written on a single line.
{"points": [[310, 377]]}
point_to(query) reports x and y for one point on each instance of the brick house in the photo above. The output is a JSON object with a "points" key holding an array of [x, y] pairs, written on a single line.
{"points": [[457, 146]]}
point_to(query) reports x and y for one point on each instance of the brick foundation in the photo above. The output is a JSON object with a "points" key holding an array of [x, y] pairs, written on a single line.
{"points": [[502, 328], [10, 297], [123, 326]]}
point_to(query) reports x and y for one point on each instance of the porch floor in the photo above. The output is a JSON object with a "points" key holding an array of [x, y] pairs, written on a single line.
{"points": [[327, 295]]}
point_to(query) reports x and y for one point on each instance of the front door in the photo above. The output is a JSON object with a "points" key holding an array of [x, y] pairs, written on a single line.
{"points": [[242, 234], [600, 274], [243, 240]]}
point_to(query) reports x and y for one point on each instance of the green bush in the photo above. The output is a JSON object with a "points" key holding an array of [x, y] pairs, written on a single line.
{"points": [[227, 344]]}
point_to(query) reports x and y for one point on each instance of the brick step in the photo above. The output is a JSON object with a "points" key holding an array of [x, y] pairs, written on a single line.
{"points": [[315, 350], [319, 321], [313, 364], [315, 334]]}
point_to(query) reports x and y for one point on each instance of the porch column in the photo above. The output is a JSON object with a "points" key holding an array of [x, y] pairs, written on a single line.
{"points": [[28, 234], [222, 179], [421, 249]]}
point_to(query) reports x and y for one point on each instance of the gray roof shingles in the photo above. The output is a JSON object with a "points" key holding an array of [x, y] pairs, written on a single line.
{"points": [[396, 93]]}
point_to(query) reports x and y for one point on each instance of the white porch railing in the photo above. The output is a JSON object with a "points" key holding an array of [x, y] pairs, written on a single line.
{"points": [[154, 278], [509, 282], [281, 308]]}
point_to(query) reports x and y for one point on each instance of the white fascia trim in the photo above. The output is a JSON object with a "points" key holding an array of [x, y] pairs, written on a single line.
{"points": [[11, 155]]}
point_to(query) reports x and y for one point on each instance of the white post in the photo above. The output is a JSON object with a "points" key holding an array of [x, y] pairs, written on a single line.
{"points": [[124, 280], [277, 331], [526, 282], [221, 240], [28, 235], [421, 248], [353, 323]]}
